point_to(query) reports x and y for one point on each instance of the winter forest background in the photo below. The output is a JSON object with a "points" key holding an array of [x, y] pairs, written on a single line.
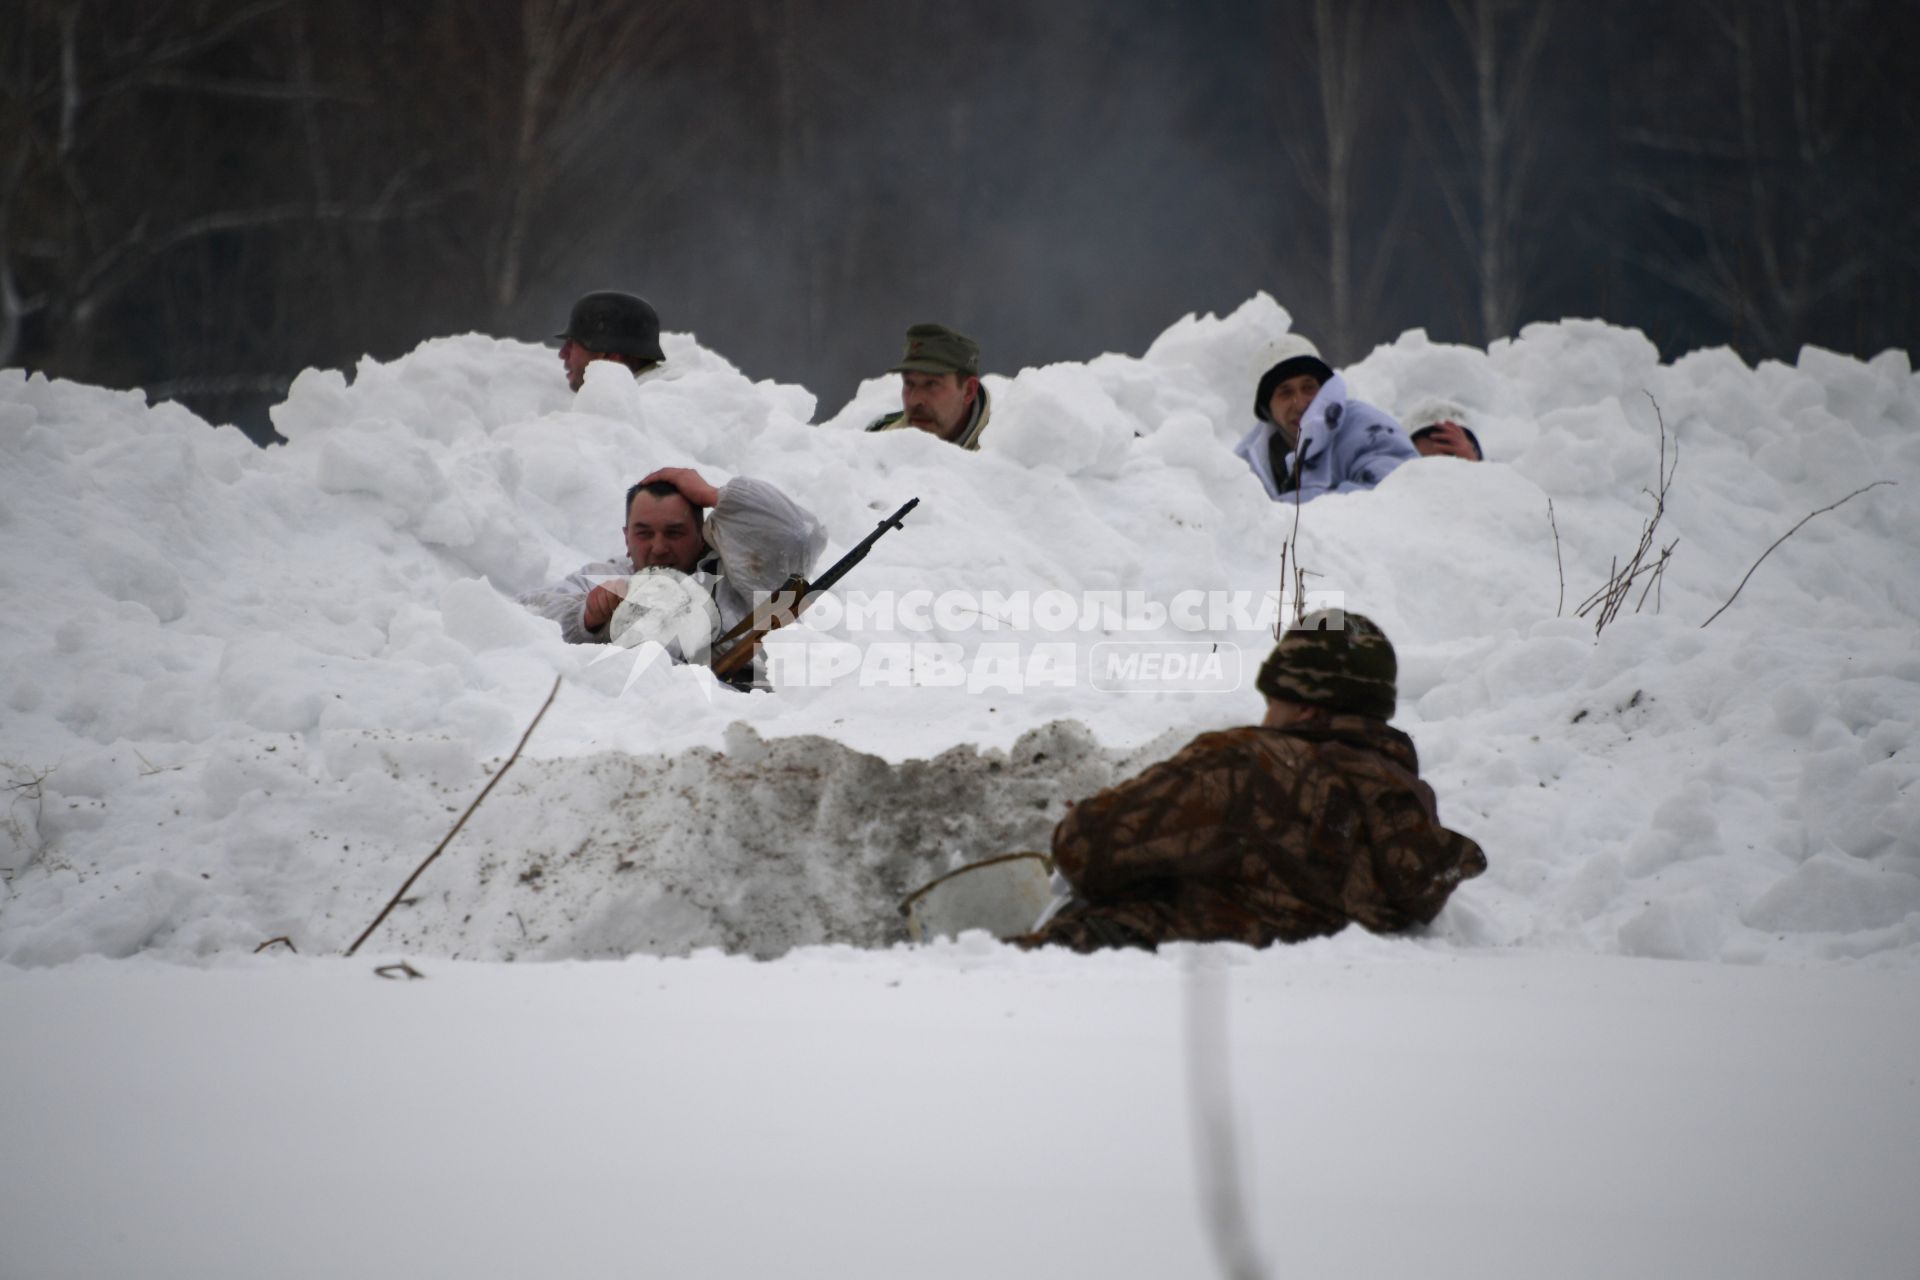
{"points": [[204, 197]]}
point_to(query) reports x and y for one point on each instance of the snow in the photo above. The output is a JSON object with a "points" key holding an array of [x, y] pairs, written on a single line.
{"points": [[247, 689], [245, 692], [957, 1110]]}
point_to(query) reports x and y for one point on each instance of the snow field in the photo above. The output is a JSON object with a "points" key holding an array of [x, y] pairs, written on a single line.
{"points": [[246, 691], [958, 1110]]}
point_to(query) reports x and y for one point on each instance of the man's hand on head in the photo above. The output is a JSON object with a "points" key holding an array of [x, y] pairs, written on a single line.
{"points": [[1446, 440], [689, 483], [601, 602]]}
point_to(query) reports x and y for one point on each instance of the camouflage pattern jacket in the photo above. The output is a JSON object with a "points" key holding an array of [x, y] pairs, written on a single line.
{"points": [[1260, 835]]}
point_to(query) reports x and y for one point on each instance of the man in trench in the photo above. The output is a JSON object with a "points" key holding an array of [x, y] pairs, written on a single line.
{"points": [[1311, 820], [1312, 438], [613, 326], [1440, 429], [940, 388], [732, 542]]}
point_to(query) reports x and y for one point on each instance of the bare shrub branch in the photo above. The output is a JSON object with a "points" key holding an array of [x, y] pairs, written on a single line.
{"points": [[1613, 593], [448, 838], [400, 969], [1788, 534], [1560, 603]]}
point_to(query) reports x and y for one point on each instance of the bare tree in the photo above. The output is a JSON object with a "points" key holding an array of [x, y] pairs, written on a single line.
{"points": [[1336, 63], [122, 134], [1776, 205], [785, 29], [560, 92], [1498, 135]]}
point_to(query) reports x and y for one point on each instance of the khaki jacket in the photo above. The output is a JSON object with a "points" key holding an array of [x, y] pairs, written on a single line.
{"points": [[969, 437]]}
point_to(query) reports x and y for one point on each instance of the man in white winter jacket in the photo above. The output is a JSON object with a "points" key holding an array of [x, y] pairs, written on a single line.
{"points": [[742, 538], [1312, 439]]}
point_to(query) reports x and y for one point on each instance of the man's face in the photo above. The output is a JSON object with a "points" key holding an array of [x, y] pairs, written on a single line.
{"points": [[937, 402], [664, 533], [577, 358], [1445, 440], [1289, 401]]}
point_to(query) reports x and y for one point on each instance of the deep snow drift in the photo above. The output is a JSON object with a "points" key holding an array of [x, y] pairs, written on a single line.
{"points": [[246, 691]]}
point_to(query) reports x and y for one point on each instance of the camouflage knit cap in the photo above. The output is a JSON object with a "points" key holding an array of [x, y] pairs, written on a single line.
{"points": [[934, 348], [1339, 661]]}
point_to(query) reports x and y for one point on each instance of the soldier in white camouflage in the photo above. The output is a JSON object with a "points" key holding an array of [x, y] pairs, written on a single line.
{"points": [[1297, 827]]}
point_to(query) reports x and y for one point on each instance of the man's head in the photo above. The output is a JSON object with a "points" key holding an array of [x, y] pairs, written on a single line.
{"points": [[609, 326], [939, 379], [1292, 376], [1338, 662], [662, 528], [1439, 429]]}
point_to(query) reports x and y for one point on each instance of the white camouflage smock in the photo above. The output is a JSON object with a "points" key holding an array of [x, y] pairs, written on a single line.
{"points": [[757, 538]]}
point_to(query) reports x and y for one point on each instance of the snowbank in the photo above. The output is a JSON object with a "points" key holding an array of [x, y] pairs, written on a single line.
{"points": [[246, 691]]}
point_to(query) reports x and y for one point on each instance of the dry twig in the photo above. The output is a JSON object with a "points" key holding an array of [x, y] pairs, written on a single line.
{"points": [[398, 970], [153, 768], [1788, 534], [1620, 579], [1560, 603], [448, 838], [1299, 573], [31, 789], [1290, 550]]}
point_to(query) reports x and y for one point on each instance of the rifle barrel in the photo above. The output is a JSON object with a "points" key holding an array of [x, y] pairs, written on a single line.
{"points": [[751, 634], [859, 550]]}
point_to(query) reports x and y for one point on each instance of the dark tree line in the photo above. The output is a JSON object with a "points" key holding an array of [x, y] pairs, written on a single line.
{"points": [[202, 197]]}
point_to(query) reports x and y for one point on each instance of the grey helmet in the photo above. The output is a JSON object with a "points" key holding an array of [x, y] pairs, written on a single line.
{"points": [[615, 324]]}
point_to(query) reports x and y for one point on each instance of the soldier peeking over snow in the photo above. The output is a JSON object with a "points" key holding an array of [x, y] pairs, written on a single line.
{"points": [[685, 536], [1312, 439], [610, 326], [940, 388], [1438, 429], [1312, 820]]}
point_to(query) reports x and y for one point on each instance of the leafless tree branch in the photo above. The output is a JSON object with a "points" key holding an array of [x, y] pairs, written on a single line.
{"points": [[1783, 537], [446, 840]]}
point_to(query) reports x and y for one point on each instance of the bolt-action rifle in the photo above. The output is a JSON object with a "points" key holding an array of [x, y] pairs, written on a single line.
{"points": [[786, 604]]}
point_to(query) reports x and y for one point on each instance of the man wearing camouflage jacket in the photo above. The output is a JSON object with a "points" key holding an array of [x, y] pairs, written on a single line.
{"points": [[1312, 820]]}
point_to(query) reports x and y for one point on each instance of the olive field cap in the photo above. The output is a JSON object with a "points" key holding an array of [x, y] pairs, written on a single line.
{"points": [[1288, 356], [609, 323], [934, 348], [1341, 662]]}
